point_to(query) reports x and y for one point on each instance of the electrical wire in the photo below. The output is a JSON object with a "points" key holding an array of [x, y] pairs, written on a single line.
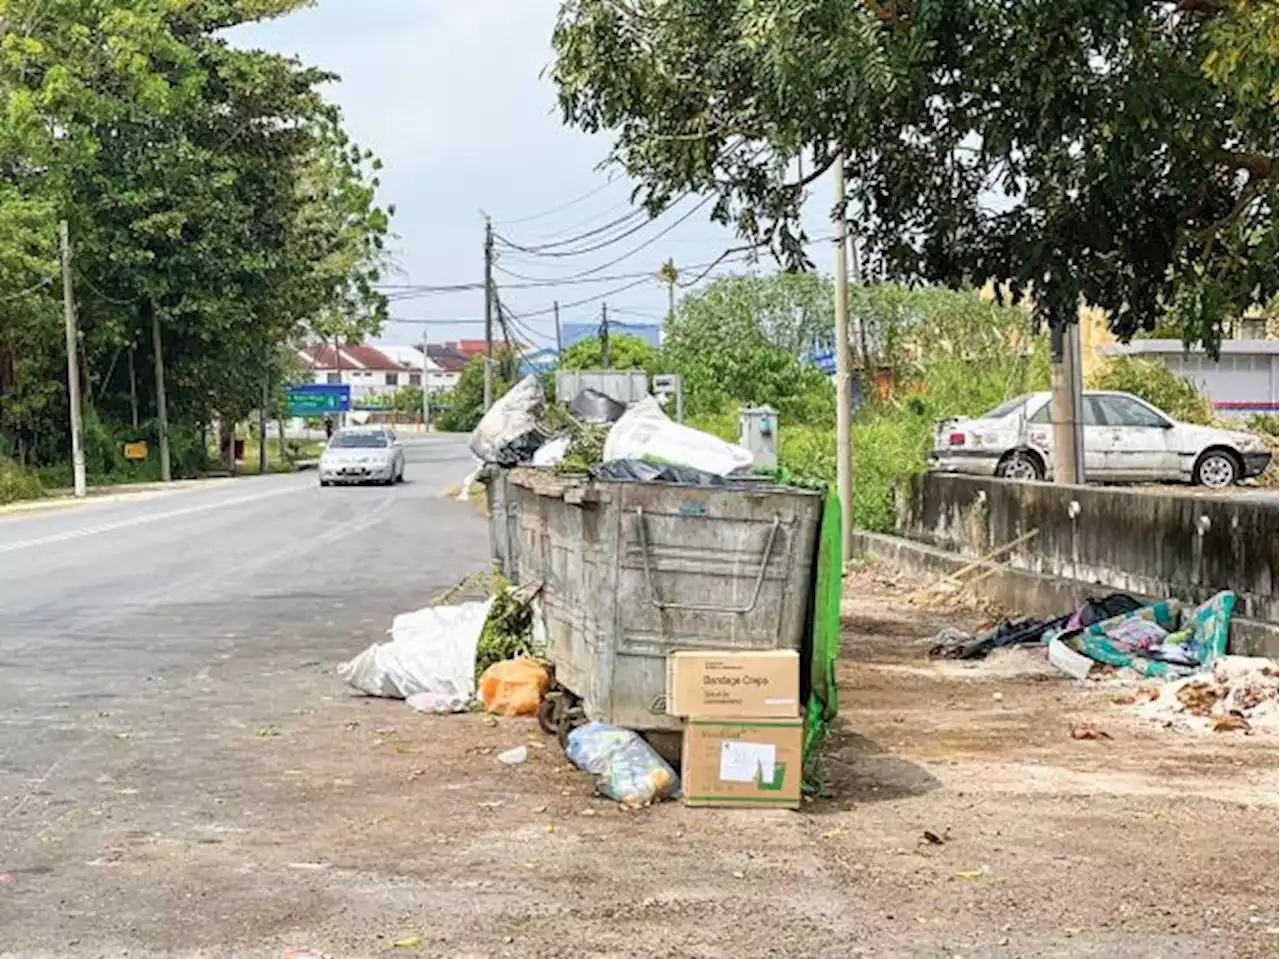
{"points": [[563, 206], [549, 249]]}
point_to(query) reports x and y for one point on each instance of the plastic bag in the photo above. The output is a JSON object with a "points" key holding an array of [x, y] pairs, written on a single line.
{"points": [[509, 433], [552, 453], [646, 433], [644, 472], [627, 768], [592, 406], [431, 651], [514, 687]]}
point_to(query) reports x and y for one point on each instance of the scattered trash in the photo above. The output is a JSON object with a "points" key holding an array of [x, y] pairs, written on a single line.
{"points": [[1069, 661], [644, 432], [407, 942], [627, 768], [269, 732], [952, 643], [514, 757], [971, 873], [491, 804], [997, 696], [431, 656], [309, 866], [302, 954], [1236, 690], [933, 839], [509, 433], [514, 687], [1088, 731]]}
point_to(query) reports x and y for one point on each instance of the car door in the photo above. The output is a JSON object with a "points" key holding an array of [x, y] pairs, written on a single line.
{"points": [[1137, 439], [1096, 440]]}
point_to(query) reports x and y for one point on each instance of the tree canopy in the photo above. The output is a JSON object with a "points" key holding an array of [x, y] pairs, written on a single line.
{"points": [[208, 186], [1114, 151]]}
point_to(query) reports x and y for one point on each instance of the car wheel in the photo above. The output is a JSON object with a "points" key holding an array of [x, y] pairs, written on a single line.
{"points": [[1020, 465], [1217, 469], [325, 483]]}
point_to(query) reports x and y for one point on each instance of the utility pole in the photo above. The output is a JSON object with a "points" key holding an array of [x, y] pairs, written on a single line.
{"points": [[488, 313], [426, 394], [73, 362], [133, 386], [262, 421], [844, 398], [555, 306], [604, 335], [1063, 383], [162, 405]]}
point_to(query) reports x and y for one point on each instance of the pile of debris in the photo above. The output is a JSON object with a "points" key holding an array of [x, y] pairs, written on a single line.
{"points": [[1237, 693]]}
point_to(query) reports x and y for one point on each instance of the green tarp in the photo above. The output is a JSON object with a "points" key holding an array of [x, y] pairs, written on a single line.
{"points": [[824, 630]]}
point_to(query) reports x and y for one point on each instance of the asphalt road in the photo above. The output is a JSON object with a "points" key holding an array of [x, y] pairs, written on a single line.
{"points": [[143, 640]]}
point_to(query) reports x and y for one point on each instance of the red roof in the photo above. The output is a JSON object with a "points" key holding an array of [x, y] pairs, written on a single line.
{"points": [[447, 357], [362, 357], [471, 347]]}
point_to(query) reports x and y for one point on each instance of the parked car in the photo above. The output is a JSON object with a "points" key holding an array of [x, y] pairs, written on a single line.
{"points": [[1126, 440], [371, 455]]}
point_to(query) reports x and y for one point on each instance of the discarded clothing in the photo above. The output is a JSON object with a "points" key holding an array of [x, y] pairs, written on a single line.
{"points": [[953, 644], [1166, 638]]}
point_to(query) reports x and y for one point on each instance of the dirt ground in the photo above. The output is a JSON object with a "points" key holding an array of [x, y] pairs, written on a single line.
{"points": [[360, 828]]}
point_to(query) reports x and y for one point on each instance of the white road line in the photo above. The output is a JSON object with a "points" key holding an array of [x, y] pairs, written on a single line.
{"points": [[140, 520]]}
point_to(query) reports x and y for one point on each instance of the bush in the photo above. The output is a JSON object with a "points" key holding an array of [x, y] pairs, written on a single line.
{"points": [[1155, 383], [17, 484]]}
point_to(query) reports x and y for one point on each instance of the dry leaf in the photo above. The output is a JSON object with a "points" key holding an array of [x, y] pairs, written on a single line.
{"points": [[1230, 723], [1088, 731]]}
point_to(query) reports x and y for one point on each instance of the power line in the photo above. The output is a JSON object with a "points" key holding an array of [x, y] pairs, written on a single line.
{"points": [[549, 249], [563, 206]]}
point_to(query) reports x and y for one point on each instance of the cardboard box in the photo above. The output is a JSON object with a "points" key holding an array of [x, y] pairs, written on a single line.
{"points": [[743, 762], [763, 684]]}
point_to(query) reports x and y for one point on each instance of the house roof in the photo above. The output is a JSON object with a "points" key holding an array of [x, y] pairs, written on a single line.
{"points": [[359, 357], [447, 357], [410, 356]]}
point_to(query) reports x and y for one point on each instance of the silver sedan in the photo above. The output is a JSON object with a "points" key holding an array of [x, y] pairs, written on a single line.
{"points": [[372, 455]]}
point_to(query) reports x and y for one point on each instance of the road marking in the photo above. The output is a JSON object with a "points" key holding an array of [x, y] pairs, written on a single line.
{"points": [[140, 520]]}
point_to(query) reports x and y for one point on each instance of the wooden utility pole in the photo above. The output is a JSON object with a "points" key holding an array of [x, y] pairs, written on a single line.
{"points": [[604, 335], [844, 398], [73, 362], [162, 407], [488, 314], [555, 306], [133, 386]]}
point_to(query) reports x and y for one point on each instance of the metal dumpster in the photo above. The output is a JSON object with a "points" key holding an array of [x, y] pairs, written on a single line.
{"points": [[632, 571], [503, 520]]}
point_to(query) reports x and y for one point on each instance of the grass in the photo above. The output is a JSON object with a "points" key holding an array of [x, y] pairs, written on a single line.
{"points": [[294, 450], [17, 484]]}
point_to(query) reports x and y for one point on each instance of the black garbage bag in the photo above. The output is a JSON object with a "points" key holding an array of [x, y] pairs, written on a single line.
{"points": [[592, 406], [641, 471]]}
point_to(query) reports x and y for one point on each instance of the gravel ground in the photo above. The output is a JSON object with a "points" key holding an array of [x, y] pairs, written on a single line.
{"points": [[345, 825]]}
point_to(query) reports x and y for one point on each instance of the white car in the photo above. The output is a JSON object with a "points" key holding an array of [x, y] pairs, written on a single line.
{"points": [[372, 455], [1126, 440]]}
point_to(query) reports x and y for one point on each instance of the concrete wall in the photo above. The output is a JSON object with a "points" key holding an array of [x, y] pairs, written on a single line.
{"points": [[1152, 542]]}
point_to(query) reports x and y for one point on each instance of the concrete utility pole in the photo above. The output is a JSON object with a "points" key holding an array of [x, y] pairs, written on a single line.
{"points": [[844, 398], [133, 387], [555, 306], [1064, 376], [262, 421], [73, 362], [426, 394], [162, 406], [488, 314], [604, 335]]}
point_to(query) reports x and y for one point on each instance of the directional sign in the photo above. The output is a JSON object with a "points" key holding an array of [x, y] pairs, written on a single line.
{"points": [[319, 399]]}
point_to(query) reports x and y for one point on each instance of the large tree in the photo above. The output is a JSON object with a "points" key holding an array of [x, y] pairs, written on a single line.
{"points": [[208, 187], [1117, 151]]}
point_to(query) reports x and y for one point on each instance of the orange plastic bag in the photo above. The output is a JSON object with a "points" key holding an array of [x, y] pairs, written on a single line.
{"points": [[513, 687]]}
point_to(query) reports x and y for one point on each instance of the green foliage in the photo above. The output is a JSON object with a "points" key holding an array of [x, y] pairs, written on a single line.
{"points": [[626, 352], [208, 187], [508, 630], [746, 340], [1264, 424], [1119, 153], [1154, 382], [17, 484], [460, 409]]}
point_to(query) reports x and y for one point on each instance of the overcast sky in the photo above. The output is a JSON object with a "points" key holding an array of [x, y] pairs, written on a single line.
{"points": [[449, 95]]}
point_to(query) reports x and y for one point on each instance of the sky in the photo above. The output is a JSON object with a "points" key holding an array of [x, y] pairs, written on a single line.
{"points": [[449, 95]]}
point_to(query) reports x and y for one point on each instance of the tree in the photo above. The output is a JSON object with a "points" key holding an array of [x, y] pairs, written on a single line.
{"points": [[626, 352], [749, 339], [461, 408], [1114, 151]]}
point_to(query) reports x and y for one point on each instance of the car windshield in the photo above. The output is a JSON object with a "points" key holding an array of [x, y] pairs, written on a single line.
{"points": [[1004, 409], [358, 441]]}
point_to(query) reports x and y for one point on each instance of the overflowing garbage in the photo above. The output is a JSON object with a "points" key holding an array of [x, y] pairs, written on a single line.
{"points": [[1236, 693]]}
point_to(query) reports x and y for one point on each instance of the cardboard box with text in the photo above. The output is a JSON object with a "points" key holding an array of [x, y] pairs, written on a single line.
{"points": [[762, 684], [743, 763]]}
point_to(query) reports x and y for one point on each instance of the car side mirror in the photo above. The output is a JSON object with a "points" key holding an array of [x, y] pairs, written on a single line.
{"points": [[1166, 425]]}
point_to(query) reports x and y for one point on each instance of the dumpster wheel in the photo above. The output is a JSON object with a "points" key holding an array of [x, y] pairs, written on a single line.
{"points": [[547, 713]]}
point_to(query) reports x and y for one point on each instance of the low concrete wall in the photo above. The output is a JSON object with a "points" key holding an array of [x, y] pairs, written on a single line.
{"points": [[1150, 542], [1035, 594]]}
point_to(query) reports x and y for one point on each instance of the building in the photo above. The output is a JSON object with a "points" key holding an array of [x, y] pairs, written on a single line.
{"points": [[449, 363], [366, 369], [1245, 378]]}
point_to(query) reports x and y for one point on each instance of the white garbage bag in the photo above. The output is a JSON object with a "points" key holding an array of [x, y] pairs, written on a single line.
{"points": [[509, 433], [644, 432], [552, 453], [430, 658]]}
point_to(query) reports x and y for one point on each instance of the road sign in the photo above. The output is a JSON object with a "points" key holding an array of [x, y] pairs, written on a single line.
{"points": [[135, 451], [319, 399]]}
